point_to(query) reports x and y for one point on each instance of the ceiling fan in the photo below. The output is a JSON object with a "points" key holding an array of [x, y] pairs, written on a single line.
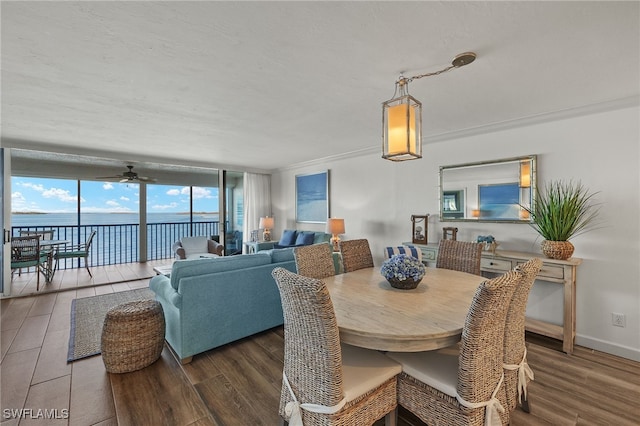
{"points": [[129, 176]]}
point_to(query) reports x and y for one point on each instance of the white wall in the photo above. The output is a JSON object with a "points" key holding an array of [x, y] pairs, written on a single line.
{"points": [[377, 198]]}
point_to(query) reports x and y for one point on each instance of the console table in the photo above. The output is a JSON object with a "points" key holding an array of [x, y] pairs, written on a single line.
{"points": [[554, 271]]}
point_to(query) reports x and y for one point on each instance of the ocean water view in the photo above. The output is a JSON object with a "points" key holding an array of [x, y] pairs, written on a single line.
{"points": [[117, 234], [71, 219]]}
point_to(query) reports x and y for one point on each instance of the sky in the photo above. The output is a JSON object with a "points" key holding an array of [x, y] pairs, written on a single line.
{"points": [[61, 195]]}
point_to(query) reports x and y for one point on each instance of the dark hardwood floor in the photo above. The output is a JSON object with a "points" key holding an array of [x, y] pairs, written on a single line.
{"points": [[239, 384]]}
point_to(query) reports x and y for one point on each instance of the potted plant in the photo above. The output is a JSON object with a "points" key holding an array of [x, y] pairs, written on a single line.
{"points": [[561, 211]]}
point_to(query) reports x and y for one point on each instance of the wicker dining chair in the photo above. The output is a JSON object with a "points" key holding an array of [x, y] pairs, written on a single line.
{"points": [[356, 254], [459, 256], [314, 261], [517, 372], [324, 382], [461, 385]]}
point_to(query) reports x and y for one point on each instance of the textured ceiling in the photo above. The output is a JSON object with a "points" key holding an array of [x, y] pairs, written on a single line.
{"points": [[263, 85]]}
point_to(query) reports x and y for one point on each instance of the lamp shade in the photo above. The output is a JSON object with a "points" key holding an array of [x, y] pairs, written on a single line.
{"points": [[266, 223], [335, 226], [402, 129]]}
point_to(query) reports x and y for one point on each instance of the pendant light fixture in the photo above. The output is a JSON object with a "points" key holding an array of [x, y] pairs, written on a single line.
{"points": [[402, 116]]}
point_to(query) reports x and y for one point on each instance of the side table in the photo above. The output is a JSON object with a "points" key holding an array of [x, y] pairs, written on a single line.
{"points": [[256, 246]]}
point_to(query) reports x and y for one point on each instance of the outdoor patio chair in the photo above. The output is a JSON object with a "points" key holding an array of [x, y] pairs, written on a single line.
{"points": [[26, 253], [76, 252]]}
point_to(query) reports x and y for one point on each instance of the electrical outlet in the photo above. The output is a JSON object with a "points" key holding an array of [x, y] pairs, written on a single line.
{"points": [[618, 319]]}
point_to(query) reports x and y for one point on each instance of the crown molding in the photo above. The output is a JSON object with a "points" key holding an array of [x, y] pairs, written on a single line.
{"points": [[616, 104]]}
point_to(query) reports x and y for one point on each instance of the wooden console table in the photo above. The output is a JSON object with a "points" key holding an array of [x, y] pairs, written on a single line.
{"points": [[554, 271]]}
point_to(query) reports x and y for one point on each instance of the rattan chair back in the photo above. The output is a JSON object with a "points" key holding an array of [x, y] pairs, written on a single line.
{"points": [[356, 254], [314, 261], [480, 358], [482, 344], [514, 333], [311, 339], [313, 362], [459, 256]]}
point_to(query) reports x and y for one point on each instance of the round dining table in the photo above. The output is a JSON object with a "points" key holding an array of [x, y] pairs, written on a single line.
{"points": [[372, 314]]}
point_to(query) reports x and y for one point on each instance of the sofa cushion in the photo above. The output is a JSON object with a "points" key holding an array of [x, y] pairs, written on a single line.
{"points": [[305, 238], [288, 237], [190, 268], [321, 237], [280, 255], [194, 245]]}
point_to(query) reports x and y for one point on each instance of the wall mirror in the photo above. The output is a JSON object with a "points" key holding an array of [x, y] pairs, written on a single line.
{"points": [[490, 191]]}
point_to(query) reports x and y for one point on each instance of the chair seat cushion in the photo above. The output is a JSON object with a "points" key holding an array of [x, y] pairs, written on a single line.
{"points": [[364, 370], [438, 369], [194, 245], [70, 254]]}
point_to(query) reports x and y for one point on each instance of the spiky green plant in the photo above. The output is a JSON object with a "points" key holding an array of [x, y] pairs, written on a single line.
{"points": [[563, 210]]}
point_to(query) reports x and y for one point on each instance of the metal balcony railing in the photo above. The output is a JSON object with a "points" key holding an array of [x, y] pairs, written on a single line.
{"points": [[116, 244]]}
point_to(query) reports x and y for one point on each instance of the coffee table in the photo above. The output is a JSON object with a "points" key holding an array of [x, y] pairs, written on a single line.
{"points": [[163, 269]]}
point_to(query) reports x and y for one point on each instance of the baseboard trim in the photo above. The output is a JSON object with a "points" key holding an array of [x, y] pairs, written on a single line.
{"points": [[609, 347]]}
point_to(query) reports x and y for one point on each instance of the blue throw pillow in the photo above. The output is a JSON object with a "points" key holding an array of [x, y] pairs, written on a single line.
{"points": [[288, 237], [305, 238]]}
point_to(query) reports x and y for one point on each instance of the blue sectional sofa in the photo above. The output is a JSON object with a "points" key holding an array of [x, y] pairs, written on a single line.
{"points": [[210, 302]]}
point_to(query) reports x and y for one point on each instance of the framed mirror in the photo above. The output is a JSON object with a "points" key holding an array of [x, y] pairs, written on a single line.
{"points": [[490, 191]]}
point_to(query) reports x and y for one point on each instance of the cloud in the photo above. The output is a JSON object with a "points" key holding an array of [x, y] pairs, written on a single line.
{"points": [[123, 198], [33, 186], [112, 203], [197, 192], [60, 194], [164, 206], [107, 185], [201, 193]]}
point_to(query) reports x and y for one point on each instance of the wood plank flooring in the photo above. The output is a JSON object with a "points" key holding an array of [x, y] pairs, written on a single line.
{"points": [[239, 384]]}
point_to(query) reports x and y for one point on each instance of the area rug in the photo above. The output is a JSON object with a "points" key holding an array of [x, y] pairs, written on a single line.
{"points": [[87, 318]]}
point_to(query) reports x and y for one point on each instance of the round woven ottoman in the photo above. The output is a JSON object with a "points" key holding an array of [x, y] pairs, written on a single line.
{"points": [[132, 336]]}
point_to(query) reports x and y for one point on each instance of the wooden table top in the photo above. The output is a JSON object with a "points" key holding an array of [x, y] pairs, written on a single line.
{"points": [[372, 314]]}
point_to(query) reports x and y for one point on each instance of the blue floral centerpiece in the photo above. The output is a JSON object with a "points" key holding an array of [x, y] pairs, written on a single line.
{"points": [[403, 271]]}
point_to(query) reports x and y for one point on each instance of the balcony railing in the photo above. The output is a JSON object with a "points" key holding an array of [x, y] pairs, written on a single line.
{"points": [[116, 244]]}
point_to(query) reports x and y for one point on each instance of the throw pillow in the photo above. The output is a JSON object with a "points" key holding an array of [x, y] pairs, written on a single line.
{"points": [[305, 238], [288, 237]]}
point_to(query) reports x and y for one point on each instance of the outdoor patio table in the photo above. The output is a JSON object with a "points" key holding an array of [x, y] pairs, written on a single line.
{"points": [[51, 245]]}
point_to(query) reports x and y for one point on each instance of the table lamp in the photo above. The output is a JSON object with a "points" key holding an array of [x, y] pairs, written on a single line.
{"points": [[266, 223], [335, 227]]}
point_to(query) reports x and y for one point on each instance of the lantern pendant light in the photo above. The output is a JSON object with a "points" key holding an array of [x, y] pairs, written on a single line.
{"points": [[402, 116]]}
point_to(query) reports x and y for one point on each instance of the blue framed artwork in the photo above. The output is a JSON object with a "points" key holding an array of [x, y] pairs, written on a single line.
{"points": [[499, 202], [312, 197]]}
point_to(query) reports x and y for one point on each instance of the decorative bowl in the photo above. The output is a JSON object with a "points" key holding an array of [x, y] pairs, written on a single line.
{"points": [[408, 284]]}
